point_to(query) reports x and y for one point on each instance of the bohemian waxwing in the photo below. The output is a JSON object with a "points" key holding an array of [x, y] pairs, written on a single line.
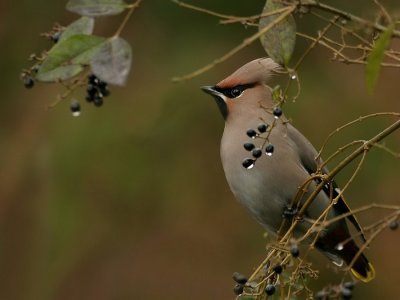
{"points": [[267, 185]]}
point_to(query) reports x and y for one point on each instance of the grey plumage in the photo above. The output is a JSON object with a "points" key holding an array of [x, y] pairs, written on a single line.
{"points": [[272, 184]]}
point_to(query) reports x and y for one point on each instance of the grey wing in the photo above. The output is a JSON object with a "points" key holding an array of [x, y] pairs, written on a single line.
{"points": [[308, 158]]}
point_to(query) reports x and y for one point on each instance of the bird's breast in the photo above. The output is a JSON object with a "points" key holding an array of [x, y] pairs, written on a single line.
{"points": [[260, 188]]}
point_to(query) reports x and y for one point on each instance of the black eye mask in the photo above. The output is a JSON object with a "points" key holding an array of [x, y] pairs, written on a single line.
{"points": [[234, 92]]}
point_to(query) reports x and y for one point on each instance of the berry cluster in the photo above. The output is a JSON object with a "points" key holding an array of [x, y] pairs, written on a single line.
{"points": [[241, 281], [96, 90], [256, 152]]}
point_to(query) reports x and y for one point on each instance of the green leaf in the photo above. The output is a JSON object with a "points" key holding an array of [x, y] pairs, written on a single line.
{"points": [[83, 25], [375, 58], [60, 73], [280, 40], [112, 61], [66, 57], [96, 8]]}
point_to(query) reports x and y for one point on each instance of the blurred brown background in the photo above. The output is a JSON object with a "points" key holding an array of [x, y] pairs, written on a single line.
{"points": [[129, 200]]}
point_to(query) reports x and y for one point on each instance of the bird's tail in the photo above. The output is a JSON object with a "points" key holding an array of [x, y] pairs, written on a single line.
{"points": [[362, 269]]}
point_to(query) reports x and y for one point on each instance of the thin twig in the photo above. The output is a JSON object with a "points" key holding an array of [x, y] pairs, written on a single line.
{"points": [[344, 14], [359, 119], [233, 51], [203, 10]]}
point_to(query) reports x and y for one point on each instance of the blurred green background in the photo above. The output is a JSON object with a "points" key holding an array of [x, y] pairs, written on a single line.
{"points": [[129, 201]]}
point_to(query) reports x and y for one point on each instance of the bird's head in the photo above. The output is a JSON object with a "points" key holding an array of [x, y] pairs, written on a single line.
{"points": [[245, 87]]}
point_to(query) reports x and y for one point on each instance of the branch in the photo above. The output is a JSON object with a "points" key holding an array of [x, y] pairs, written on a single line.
{"points": [[344, 14], [362, 149]]}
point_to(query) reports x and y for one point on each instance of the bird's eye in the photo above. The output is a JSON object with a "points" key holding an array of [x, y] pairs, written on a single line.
{"points": [[235, 92]]}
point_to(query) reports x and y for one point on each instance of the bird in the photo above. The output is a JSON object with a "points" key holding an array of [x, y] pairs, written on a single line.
{"points": [[267, 184]]}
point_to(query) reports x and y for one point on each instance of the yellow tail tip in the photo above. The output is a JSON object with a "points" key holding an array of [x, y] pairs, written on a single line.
{"points": [[369, 277]]}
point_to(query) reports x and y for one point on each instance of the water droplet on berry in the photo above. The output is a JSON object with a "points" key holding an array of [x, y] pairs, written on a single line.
{"points": [[346, 293], [75, 108], [349, 285], [248, 163], [339, 247], [269, 150], [394, 225], [294, 251], [270, 289], [277, 112]]}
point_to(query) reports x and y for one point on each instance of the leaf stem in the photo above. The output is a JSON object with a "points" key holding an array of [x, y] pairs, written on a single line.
{"points": [[132, 8]]}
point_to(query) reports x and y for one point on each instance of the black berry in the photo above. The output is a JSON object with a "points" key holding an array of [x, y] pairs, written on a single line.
{"points": [[29, 82], [75, 108], [270, 289], [294, 251], [277, 112], [262, 128], [249, 146], [346, 293], [269, 149], [256, 152], [238, 289], [55, 37], [251, 133], [105, 91], [101, 84], [93, 79], [248, 163], [394, 225], [320, 295], [91, 90], [349, 285], [98, 101], [278, 269], [96, 90], [239, 278]]}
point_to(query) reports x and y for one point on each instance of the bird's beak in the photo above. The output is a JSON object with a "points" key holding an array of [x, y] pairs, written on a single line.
{"points": [[210, 90], [219, 98]]}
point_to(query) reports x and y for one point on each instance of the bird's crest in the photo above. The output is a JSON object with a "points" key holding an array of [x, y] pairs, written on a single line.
{"points": [[256, 71]]}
